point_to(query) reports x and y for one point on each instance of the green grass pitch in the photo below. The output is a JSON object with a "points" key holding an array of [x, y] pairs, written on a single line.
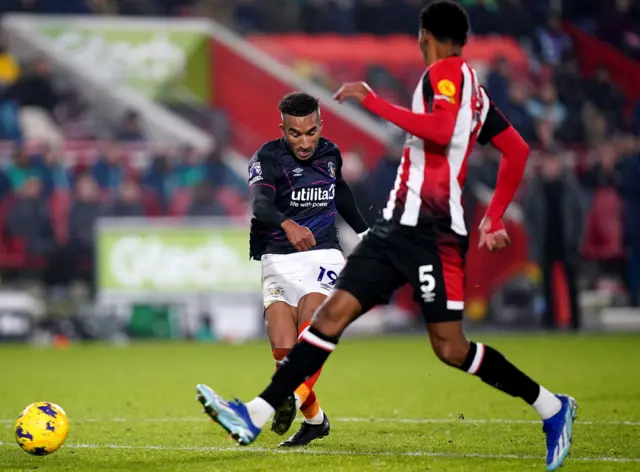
{"points": [[393, 406]]}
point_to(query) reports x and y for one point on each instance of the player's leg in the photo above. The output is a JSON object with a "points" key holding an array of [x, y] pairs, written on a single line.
{"points": [[282, 331], [367, 279], [325, 265], [280, 273], [443, 308], [316, 423]]}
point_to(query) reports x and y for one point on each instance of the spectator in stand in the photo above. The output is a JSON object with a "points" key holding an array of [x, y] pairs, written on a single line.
{"points": [[29, 218], [554, 215], [9, 68], [219, 174], [35, 87], [498, 82], [606, 97], [547, 108], [552, 42], [5, 185], [618, 24], [606, 171], [328, 16], [383, 176], [162, 178], [108, 171], [571, 92], [9, 120], [51, 169], [630, 187], [355, 174], [21, 169], [595, 125], [204, 201], [128, 201], [483, 16], [517, 112], [131, 128], [247, 16], [85, 211], [191, 171], [517, 20]]}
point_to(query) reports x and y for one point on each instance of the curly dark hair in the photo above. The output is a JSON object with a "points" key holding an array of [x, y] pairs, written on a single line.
{"points": [[446, 20], [298, 104]]}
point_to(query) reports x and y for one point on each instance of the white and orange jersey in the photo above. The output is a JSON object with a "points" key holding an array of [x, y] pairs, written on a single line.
{"points": [[430, 178]]}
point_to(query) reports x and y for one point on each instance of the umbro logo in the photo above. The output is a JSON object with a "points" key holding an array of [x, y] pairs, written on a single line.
{"points": [[297, 172]]}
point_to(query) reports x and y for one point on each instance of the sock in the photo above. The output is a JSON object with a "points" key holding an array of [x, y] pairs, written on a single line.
{"points": [[311, 410], [547, 404], [494, 369], [259, 411], [279, 354], [311, 381], [301, 393], [306, 358]]}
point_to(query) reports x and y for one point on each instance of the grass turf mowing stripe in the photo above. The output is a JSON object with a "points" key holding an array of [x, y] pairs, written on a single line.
{"points": [[188, 419], [250, 449]]}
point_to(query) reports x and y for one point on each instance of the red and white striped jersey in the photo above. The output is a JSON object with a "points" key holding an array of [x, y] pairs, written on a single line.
{"points": [[428, 187]]}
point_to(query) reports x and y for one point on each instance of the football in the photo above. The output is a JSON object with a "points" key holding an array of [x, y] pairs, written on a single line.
{"points": [[41, 428]]}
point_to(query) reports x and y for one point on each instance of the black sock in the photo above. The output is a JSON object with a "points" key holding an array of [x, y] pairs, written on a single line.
{"points": [[304, 360], [494, 369]]}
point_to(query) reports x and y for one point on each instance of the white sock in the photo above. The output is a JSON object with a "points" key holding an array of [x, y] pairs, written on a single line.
{"points": [[547, 404], [298, 401], [318, 419], [259, 411]]}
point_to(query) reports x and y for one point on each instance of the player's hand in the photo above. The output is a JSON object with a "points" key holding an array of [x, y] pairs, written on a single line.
{"points": [[355, 90], [493, 240], [300, 237]]}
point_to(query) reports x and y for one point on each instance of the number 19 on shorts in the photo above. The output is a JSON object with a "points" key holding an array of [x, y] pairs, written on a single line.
{"points": [[427, 283], [328, 274]]}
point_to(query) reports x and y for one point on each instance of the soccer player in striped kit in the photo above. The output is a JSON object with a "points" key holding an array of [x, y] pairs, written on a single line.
{"points": [[422, 238]]}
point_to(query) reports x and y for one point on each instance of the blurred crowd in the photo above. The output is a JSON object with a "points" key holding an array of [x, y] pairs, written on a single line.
{"points": [[50, 199], [583, 130]]}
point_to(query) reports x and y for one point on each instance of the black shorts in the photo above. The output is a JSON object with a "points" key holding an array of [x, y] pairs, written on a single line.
{"points": [[391, 255]]}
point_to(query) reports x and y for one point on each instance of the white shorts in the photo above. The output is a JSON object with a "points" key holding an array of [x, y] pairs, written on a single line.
{"points": [[289, 277]]}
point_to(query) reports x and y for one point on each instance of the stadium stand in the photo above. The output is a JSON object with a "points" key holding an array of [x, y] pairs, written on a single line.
{"points": [[537, 63]]}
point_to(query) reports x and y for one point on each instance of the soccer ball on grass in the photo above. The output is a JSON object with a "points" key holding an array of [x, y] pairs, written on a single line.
{"points": [[41, 428]]}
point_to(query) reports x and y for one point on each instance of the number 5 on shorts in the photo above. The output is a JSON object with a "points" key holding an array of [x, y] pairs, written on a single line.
{"points": [[427, 283], [331, 275]]}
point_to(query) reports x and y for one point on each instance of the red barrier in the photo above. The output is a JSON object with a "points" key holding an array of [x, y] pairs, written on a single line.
{"points": [[250, 97], [593, 53]]}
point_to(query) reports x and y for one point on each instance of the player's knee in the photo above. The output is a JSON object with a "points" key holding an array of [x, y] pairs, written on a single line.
{"points": [[336, 313], [450, 352], [328, 321]]}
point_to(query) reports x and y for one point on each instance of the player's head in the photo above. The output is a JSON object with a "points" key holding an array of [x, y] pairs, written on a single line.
{"points": [[301, 124], [444, 30]]}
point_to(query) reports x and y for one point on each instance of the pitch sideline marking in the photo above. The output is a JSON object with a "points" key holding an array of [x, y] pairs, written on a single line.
{"points": [[450, 455], [187, 419]]}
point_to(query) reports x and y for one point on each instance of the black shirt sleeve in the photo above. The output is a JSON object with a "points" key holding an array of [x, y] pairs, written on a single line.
{"points": [[346, 203], [495, 124], [262, 192]]}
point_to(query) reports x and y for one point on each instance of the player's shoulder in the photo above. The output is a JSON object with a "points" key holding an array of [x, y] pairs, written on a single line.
{"points": [[326, 148], [445, 77], [269, 151], [448, 65]]}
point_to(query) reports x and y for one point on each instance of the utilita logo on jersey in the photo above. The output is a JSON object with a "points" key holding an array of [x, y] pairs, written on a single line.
{"points": [[313, 197]]}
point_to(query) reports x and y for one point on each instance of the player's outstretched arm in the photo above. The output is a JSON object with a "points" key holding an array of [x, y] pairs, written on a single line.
{"points": [[436, 126], [348, 208]]}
